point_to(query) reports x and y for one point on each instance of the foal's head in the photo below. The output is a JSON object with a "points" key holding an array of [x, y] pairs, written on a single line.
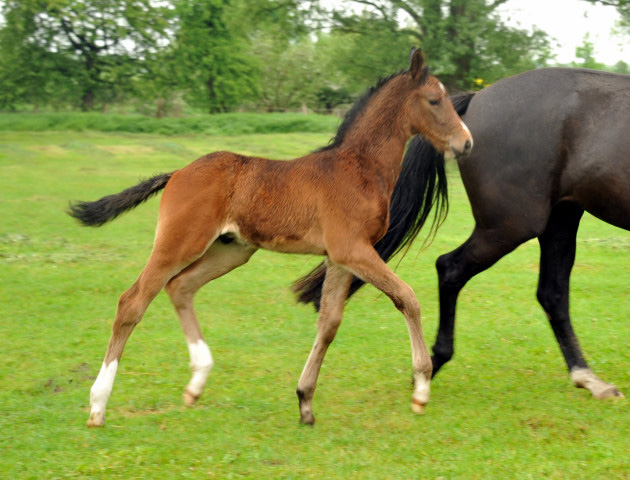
{"points": [[430, 111]]}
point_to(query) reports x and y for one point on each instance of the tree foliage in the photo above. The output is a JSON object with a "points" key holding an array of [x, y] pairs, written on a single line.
{"points": [[92, 46], [28, 69], [585, 53], [224, 55], [464, 39]]}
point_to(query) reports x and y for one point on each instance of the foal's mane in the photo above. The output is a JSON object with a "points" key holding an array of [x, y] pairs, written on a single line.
{"points": [[358, 107]]}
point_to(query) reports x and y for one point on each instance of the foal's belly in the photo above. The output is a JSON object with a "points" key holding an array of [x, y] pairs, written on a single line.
{"points": [[275, 239]]}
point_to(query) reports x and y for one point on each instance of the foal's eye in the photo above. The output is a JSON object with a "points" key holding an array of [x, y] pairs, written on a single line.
{"points": [[434, 102]]}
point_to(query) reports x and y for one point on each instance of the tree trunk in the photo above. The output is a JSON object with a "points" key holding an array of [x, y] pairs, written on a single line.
{"points": [[87, 101]]}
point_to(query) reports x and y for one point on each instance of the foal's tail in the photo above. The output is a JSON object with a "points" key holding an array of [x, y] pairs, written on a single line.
{"points": [[95, 214], [421, 186]]}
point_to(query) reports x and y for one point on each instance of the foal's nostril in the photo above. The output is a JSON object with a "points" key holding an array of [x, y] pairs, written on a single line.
{"points": [[464, 151]]}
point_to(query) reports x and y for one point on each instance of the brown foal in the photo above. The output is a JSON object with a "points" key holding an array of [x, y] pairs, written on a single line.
{"points": [[216, 212]]}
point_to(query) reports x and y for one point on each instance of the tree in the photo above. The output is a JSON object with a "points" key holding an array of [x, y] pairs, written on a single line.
{"points": [[97, 44], [29, 73], [621, 67], [227, 54], [215, 65], [363, 48], [464, 39], [289, 73], [328, 98], [586, 53]]}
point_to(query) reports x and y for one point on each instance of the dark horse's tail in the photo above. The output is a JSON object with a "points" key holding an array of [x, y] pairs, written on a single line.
{"points": [[421, 186], [95, 214]]}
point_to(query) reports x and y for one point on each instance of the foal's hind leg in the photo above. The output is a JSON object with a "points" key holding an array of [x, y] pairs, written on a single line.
{"points": [[180, 240], [557, 255], [334, 293], [218, 260], [131, 307]]}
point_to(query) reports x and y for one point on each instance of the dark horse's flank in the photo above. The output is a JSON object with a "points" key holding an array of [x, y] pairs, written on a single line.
{"points": [[216, 212], [549, 145]]}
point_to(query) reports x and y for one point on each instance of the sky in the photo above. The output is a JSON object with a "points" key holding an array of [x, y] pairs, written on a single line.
{"points": [[568, 21]]}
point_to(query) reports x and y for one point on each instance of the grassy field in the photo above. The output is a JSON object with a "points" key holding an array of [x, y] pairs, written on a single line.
{"points": [[504, 408]]}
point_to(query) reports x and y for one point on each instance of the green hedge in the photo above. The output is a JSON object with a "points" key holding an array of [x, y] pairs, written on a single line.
{"points": [[220, 124]]}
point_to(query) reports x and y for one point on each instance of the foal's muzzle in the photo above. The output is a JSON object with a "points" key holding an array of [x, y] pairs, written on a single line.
{"points": [[465, 151], [461, 143]]}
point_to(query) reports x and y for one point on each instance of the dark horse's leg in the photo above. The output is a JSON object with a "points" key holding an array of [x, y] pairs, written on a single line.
{"points": [[484, 248], [557, 255]]}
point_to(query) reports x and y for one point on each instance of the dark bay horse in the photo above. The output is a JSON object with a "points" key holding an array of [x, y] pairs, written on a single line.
{"points": [[549, 145], [216, 212]]}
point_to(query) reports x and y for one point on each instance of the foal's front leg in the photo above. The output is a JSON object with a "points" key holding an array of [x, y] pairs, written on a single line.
{"points": [[366, 264], [334, 293]]}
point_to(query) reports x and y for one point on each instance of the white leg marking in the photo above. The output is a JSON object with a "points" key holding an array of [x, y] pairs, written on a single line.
{"points": [[100, 392], [585, 378], [421, 393], [201, 363]]}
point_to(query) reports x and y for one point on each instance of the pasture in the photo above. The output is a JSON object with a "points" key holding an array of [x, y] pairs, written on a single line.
{"points": [[503, 408]]}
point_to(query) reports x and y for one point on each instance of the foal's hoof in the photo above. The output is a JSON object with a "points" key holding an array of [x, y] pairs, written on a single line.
{"points": [[417, 407], [307, 419], [96, 420], [189, 398]]}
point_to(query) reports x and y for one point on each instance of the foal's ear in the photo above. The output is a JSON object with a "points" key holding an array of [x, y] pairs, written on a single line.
{"points": [[416, 60]]}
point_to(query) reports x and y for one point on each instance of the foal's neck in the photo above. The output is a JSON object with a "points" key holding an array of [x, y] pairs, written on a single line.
{"points": [[380, 133]]}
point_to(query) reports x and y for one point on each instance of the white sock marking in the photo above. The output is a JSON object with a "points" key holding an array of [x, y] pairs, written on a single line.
{"points": [[201, 363], [102, 388], [422, 388]]}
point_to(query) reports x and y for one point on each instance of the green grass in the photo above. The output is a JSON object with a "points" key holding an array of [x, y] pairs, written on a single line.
{"points": [[503, 408]]}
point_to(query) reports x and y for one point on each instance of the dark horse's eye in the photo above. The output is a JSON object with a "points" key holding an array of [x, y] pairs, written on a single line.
{"points": [[434, 102]]}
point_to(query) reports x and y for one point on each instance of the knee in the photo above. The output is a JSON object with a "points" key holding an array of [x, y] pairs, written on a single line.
{"points": [[441, 264], [447, 275], [179, 297], [407, 303], [129, 312], [549, 300]]}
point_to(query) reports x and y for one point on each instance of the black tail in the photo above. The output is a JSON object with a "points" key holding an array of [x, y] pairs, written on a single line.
{"points": [[95, 214], [421, 186]]}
